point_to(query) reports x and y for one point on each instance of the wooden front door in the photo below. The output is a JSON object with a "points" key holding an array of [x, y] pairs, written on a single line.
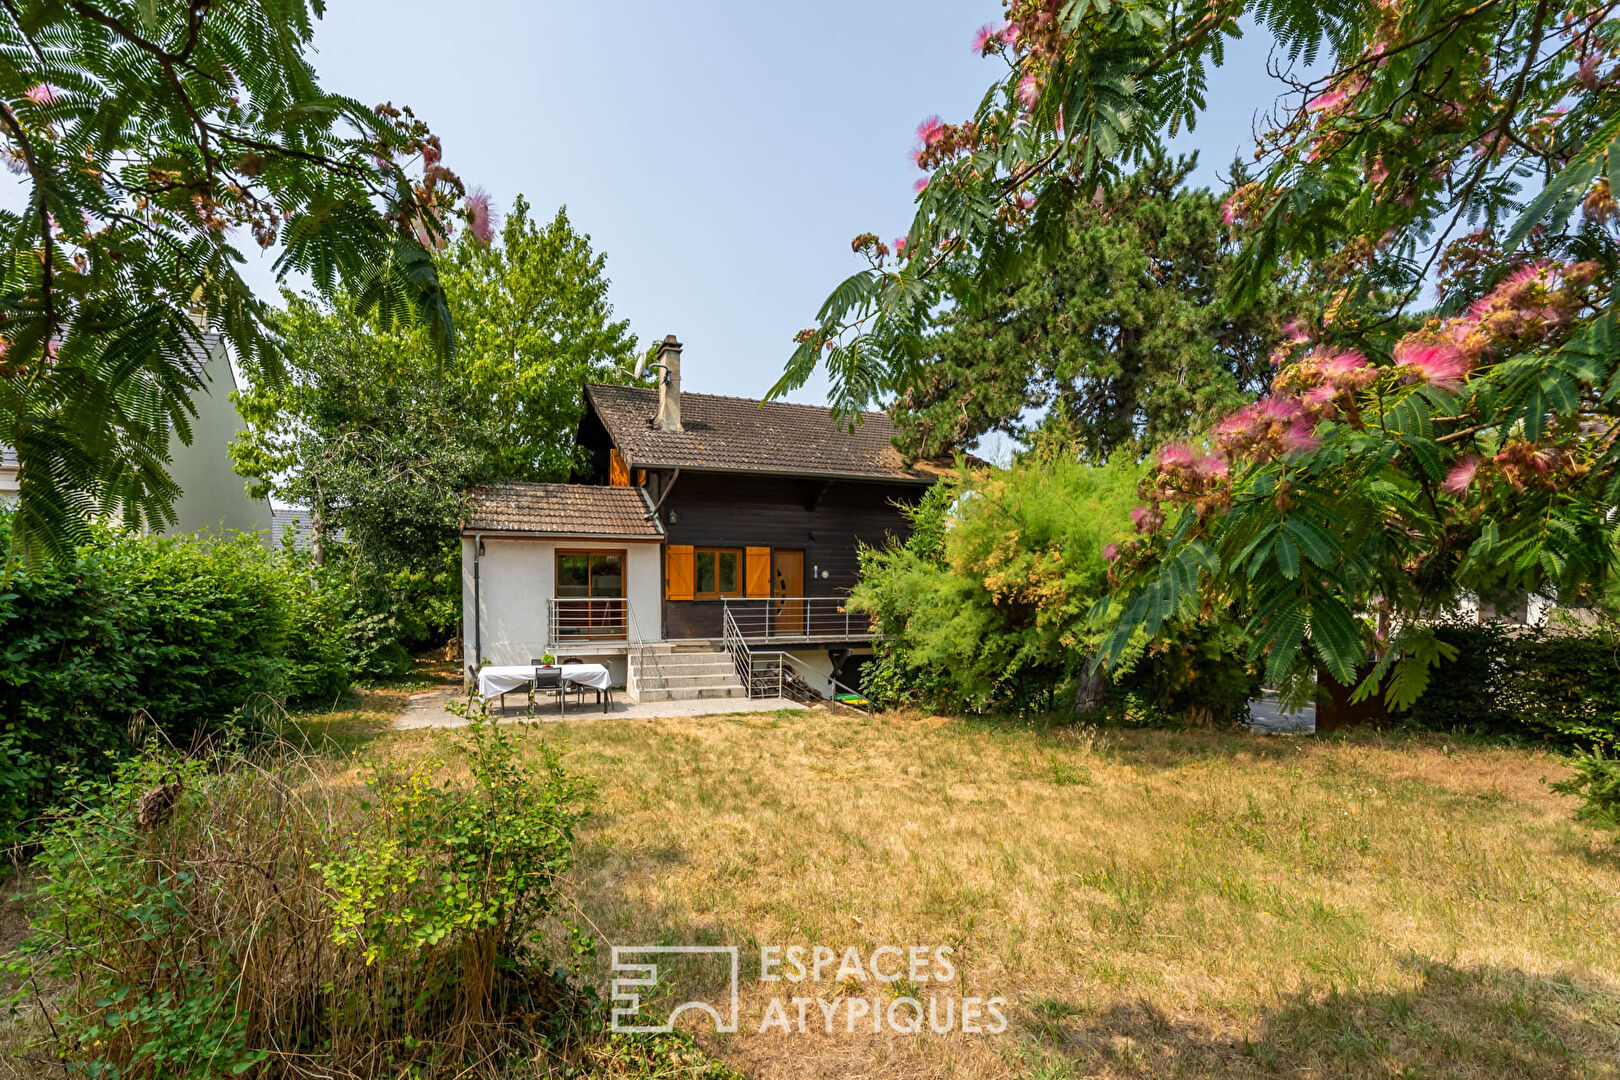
{"points": [[787, 589]]}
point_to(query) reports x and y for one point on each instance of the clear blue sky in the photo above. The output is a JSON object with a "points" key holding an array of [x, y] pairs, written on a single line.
{"points": [[722, 154]]}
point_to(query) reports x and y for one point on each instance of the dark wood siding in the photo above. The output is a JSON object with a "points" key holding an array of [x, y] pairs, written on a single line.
{"points": [[827, 520]]}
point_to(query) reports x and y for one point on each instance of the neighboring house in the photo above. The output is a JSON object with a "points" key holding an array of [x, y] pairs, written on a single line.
{"points": [[704, 551], [8, 473], [212, 496], [297, 522]]}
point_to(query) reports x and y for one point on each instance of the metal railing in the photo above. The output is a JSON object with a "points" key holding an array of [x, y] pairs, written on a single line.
{"points": [[763, 672], [759, 672], [573, 620], [797, 618]]}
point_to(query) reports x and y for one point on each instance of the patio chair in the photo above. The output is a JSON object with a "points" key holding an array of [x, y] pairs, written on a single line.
{"points": [[568, 661], [567, 687], [549, 679]]}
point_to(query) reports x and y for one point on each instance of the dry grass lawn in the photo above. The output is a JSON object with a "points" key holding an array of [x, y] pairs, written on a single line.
{"points": [[1149, 903]]}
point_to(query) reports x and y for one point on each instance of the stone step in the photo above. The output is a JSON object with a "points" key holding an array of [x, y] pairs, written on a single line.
{"points": [[704, 667], [685, 671], [691, 693], [672, 682], [666, 648]]}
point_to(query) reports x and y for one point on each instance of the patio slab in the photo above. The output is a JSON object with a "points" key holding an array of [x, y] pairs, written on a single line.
{"points": [[1266, 715], [428, 709]]}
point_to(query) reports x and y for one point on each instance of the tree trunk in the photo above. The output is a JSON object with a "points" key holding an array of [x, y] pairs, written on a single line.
{"points": [[1092, 693], [317, 535]]}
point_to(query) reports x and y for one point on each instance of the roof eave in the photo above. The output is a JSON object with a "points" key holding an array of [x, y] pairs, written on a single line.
{"points": [[874, 478], [546, 534]]}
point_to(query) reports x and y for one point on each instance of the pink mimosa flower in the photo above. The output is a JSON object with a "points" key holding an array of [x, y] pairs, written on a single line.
{"points": [[899, 246], [1029, 91], [1147, 520], [1587, 75], [1211, 467], [930, 131], [1461, 476], [1274, 408], [1527, 273], [43, 94], [1110, 553], [480, 227], [918, 187], [1327, 100], [1320, 397], [1436, 363], [989, 34], [1228, 211], [1234, 424], [1300, 437], [1176, 455], [1339, 365]]}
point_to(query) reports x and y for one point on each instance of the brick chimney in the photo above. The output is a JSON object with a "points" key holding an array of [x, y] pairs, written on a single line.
{"points": [[669, 385]]}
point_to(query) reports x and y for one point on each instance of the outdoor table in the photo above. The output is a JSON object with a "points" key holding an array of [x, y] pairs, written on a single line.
{"points": [[495, 680]]}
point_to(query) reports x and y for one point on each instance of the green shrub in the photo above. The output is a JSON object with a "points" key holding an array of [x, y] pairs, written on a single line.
{"points": [[1559, 685], [316, 664], [180, 633], [1200, 674], [250, 915], [1597, 783], [988, 604]]}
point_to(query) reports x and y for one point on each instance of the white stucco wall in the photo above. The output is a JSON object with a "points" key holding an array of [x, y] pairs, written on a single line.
{"points": [[815, 667], [518, 578], [8, 483]]}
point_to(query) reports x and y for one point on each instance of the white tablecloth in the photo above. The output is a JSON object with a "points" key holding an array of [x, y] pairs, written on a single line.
{"points": [[494, 681]]}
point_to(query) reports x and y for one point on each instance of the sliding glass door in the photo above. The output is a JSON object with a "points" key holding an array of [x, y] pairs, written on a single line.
{"points": [[590, 596]]}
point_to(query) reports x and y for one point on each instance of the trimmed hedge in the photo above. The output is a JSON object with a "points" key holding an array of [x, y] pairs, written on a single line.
{"points": [[1560, 686], [180, 633]]}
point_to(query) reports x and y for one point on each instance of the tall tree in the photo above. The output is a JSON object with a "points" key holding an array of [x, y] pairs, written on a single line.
{"points": [[381, 435], [150, 137], [1120, 339], [371, 429], [1406, 452], [535, 323]]}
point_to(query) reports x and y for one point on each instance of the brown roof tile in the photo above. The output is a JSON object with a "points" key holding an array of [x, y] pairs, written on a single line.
{"points": [[561, 510], [742, 435]]}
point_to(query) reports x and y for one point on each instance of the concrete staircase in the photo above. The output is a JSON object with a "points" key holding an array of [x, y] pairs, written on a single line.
{"points": [[683, 671]]}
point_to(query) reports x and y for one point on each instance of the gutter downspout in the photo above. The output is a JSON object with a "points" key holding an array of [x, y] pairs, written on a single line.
{"points": [[478, 608]]}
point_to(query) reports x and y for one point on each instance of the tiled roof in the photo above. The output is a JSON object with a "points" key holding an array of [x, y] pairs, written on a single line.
{"points": [[562, 510], [742, 435], [298, 521]]}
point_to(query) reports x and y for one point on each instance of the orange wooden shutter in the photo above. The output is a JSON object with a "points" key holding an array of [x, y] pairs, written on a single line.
{"points": [[678, 575], [759, 572], [618, 471]]}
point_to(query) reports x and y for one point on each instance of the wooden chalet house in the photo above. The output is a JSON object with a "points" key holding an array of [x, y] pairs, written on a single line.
{"points": [[704, 549]]}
